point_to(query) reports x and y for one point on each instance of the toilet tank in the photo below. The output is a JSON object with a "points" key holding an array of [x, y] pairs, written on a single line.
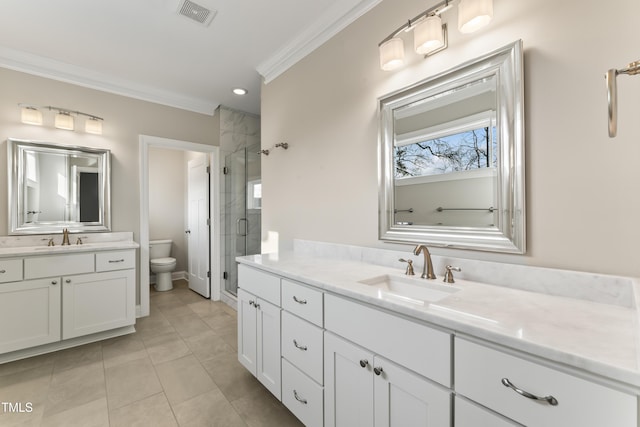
{"points": [[159, 249]]}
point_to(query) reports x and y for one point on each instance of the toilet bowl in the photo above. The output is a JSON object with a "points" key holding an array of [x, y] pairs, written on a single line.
{"points": [[161, 263]]}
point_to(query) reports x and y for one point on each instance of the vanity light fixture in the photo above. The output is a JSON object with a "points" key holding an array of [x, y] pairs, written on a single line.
{"points": [[32, 115], [430, 33]]}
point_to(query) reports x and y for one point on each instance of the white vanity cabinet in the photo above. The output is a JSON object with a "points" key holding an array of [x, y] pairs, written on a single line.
{"points": [[536, 395], [259, 326], [51, 298], [302, 352], [384, 370]]}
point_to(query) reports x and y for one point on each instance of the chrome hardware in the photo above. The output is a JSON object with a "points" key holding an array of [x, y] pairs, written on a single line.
{"points": [[51, 242], [549, 399], [299, 301], [54, 282], [116, 260], [3, 271], [301, 347], [68, 281], [257, 306], [427, 269], [252, 302], [298, 398], [377, 370], [284, 145], [448, 274], [187, 231], [79, 241], [265, 152], [364, 363], [612, 93], [409, 271], [246, 230], [65, 237]]}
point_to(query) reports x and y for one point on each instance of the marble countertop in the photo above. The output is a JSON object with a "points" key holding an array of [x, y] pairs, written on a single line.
{"points": [[36, 245], [602, 339]]}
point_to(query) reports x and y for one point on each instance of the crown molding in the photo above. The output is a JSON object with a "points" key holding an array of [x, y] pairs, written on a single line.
{"points": [[68, 73], [334, 20]]}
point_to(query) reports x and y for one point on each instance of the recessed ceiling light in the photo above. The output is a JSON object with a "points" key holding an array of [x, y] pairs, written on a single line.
{"points": [[240, 91]]}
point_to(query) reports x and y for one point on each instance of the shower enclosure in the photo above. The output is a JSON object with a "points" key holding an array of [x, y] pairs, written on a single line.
{"points": [[242, 213]]}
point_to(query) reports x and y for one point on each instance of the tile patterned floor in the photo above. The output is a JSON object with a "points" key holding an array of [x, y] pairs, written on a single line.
{"points": [[179, 369]]}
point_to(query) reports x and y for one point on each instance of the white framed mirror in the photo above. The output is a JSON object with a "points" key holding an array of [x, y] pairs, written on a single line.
{"points": [[451, 152], [53, 187]]}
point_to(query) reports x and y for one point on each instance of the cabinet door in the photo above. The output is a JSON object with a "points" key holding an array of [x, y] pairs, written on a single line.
{"points": [[29, 313], [348, 380], [98, 302], [468, 414], [403, 398], [268, 368], [247, 332]]}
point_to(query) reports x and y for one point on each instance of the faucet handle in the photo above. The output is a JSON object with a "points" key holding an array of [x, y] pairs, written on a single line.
{"points": [[409, 271], [448, 274]]}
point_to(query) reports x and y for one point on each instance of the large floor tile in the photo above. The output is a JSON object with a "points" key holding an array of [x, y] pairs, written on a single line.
{"points": [[75, 387], [131, 381], [208, 345], [122, 349], [75, 356], [189, 325], [165, 347], [262, 409], [152, 411], [183, 379], [230, 376], [90, 414], [209, 409]]}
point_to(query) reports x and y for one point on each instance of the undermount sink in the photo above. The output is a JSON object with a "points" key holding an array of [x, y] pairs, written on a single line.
{"points": [[408, 289]]}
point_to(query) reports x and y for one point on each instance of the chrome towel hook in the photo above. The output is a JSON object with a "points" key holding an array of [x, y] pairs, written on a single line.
{"points": [[612, 93]]}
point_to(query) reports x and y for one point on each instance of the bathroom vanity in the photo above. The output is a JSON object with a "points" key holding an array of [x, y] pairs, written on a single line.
{"points": [[53, 297], [341, 341]]}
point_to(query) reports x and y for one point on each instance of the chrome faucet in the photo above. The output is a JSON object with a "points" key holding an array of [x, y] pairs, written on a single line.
{"points": [[427, 269]]}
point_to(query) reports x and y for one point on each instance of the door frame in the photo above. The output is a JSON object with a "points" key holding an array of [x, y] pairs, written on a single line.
{"points": [[145, 142]]}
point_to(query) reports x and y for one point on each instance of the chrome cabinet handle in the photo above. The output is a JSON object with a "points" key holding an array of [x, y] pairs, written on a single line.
{"points": [[298, 398], [3, 271], [54, 282], [549, 399], [301, 347], [299, 301], [116, 260], [364, 363], [257, 306], [68, 281], [378, 370], [252, 302]]}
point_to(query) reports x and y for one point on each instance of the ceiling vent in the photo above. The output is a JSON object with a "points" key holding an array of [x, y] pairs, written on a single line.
{"points": [[196, 12]]}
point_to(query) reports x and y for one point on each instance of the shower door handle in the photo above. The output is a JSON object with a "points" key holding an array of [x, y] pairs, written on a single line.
{"points": [[246, 223]]}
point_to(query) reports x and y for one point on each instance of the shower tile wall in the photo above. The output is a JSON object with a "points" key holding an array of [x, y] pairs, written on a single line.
{"points": [[238, 131]]}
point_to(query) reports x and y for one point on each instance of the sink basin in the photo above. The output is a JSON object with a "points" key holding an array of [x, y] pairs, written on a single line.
{"points": [[409, 290]]}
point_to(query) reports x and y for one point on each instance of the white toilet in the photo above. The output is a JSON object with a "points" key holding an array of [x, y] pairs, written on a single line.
{"points": [[161, 263]]}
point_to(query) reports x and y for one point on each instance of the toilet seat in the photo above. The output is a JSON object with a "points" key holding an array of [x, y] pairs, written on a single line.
{"points": [[162, 261]]}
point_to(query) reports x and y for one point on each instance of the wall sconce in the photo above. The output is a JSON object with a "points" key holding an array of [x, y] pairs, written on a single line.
{"points": [[31, 115], [430, 34]]}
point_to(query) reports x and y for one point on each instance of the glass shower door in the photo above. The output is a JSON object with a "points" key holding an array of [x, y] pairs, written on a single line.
{"points": [[243, 196]]}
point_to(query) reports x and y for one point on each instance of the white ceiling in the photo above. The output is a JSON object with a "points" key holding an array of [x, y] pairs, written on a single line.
{"points": [[146, 50]]}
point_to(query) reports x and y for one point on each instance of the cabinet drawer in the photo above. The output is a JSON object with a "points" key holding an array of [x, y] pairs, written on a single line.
{"points": [[413, 345], [10, 270], [301, 395], [58, 265], [480, 371], [302, 345], [259, 283], [302, 301], [468, 414], [115, 260]]}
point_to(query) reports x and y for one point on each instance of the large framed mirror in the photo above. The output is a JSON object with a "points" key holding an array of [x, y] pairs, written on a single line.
{"points": [[53, 187], [452, 157]]}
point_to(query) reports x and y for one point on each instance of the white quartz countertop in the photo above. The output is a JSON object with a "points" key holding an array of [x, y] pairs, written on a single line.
{"points": [[602, 339], [36, 245], [57, 250]]}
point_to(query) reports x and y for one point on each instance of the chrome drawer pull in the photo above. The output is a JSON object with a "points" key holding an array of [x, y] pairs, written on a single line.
{"points": [[116, 260], [298, 398], [301, 347], [3, 271], [549, 399], [299, 301], [378, 370], [364, 363]]}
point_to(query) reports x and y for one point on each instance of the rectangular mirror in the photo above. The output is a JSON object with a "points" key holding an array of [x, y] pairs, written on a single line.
{"points": [[53, 187], [452, 157]]}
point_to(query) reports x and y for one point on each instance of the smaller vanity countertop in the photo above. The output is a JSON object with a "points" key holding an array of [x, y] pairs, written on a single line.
{"points": [[600, 338], [36, 245]]}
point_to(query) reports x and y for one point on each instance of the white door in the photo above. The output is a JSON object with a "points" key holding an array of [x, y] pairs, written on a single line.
{"points": [[198, 228], [348, 382], [403, 398]]}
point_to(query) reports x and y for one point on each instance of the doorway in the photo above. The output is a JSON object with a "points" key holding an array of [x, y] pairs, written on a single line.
{"points": [[243, 207]]}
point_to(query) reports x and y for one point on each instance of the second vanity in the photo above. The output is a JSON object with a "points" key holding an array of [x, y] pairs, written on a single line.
{"points": [[331, 339], [53, 297]]}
